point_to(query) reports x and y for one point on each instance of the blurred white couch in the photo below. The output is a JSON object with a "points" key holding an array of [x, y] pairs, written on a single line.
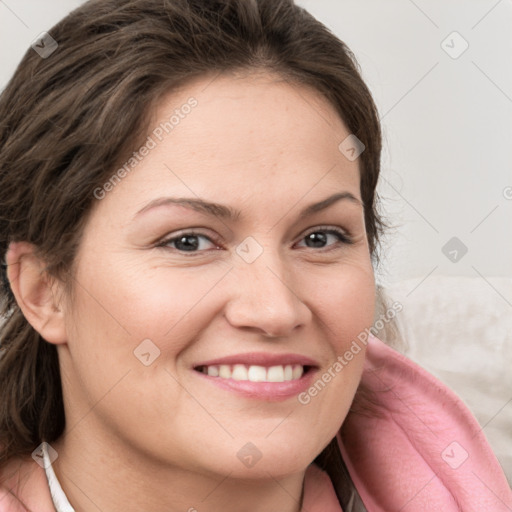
{"points": [[460, 330]]}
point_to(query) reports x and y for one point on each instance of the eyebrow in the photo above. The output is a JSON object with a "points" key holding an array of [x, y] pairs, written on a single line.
{"points": [[228, 213]]}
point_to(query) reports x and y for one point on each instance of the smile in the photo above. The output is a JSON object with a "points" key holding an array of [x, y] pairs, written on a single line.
{"points": [[261, 376]]}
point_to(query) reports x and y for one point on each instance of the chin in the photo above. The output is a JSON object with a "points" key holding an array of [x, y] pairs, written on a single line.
{"points": [[262, 459]]}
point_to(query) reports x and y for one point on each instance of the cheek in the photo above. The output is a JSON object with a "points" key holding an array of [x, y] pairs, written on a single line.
{"points": [[129, 303], [353, 307], [345, 303], [344, 306]]}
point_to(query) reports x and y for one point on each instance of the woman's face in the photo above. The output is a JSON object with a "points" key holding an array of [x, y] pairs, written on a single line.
{"points": [[168, 291]]}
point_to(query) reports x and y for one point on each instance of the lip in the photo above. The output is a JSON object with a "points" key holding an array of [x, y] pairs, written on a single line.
{"points": [[265, 391], [261, 359]]}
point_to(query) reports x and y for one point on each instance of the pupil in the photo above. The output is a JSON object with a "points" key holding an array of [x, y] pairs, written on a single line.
{"points": [[189, 246], [318, 239]]}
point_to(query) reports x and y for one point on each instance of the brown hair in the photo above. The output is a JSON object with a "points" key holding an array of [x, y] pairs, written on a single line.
{"points": [[69, 119]]}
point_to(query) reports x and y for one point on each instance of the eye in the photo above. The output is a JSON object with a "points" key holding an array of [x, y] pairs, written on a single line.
{"points": [[189, 241], [320, 236]]}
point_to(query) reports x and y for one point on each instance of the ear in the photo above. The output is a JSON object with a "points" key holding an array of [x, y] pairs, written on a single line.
{"points": [[35, 292]]}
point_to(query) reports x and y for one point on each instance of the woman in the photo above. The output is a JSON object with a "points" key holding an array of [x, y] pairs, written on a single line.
{"points": [[189, 226]]}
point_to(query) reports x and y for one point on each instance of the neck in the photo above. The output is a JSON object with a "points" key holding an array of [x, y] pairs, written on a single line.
{"points": [[107, 475]]}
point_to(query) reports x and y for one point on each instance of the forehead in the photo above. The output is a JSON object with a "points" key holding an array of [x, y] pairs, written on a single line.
{"points": [[238, 112], [245, 135]]}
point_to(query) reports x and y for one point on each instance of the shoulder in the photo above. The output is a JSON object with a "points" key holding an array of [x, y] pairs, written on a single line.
{"points": [[23, 487]]}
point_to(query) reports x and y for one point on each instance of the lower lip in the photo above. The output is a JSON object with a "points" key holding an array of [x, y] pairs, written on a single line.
{"points": [[270, 391]]}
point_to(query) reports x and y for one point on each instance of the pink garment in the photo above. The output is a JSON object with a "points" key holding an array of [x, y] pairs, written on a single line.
{"points": [[427, 452]]}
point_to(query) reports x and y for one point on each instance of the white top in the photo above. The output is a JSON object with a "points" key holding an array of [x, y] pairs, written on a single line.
{"points": [[60, 500]]}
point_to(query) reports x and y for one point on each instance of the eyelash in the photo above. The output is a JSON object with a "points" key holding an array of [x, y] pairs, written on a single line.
{"points": [[343, 238]]}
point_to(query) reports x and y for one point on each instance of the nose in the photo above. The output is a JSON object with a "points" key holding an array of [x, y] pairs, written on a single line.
{"points": [[265, 301]]}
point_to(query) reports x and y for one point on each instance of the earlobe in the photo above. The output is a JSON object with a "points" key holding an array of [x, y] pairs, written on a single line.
{"points": [[35, 292]]}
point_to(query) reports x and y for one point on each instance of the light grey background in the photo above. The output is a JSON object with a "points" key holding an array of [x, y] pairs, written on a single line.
{"points": [[447, 122], [447, 125]]}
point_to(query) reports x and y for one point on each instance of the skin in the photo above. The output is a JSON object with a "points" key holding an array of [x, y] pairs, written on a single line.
{"points": [[159, 437]]}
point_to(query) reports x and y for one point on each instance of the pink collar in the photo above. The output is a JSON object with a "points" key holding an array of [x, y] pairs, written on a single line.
{"points": [[420, 449]]}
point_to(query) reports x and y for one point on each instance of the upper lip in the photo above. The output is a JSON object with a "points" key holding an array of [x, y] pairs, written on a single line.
{"points": [[260, 359]]}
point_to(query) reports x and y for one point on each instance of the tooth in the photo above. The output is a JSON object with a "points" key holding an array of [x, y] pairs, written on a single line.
{"points": [[224, 371], [257, 374], [239, 372], [213, 371], [298, 370], [275, 374]]}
